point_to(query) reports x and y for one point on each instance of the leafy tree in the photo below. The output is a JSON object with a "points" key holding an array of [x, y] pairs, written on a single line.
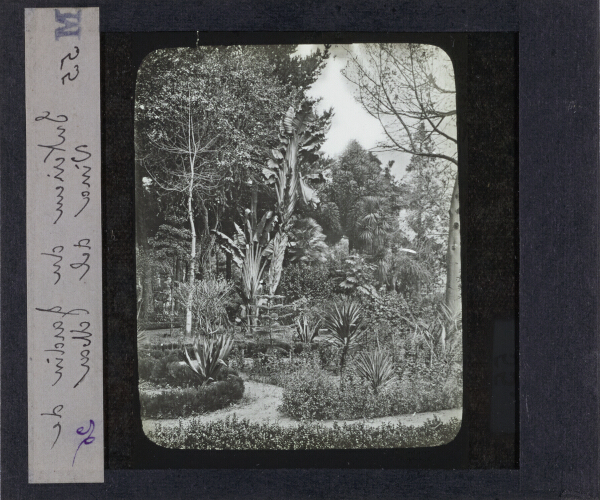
{"points": [[401, 85], [205, 121], [430, 182], [190, 143], [374, 222], [357, 180]]}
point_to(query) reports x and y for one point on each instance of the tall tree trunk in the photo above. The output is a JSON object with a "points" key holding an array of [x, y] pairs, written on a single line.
{"points": [[453, 299], [192, 152], [192, 269], [172, 297], [206, 251]]}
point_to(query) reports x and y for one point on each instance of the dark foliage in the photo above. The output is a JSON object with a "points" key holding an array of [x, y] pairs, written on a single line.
{"points": [[193, 400], [162, 325], [311, 282], [257, 349]]}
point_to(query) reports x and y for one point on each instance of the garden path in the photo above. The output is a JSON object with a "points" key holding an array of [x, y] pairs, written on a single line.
{"points": [[260, 403]]}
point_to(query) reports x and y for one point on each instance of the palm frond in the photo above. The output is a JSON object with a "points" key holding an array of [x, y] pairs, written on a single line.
{"points": [[209, 357], [306, 329], [377, 368], [344, 321]]}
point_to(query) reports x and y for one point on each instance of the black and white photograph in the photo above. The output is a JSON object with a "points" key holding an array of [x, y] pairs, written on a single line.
{"points": [[298, 247], [300, 250]]}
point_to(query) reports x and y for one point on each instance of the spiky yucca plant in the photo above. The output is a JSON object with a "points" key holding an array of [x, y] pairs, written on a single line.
{"points": [[307, 329], [210, 356], [377, 368], [344, 323]]}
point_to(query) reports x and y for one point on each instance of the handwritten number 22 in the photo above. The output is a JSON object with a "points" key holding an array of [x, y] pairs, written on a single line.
{"points": [[70, 57], [89, 439]]}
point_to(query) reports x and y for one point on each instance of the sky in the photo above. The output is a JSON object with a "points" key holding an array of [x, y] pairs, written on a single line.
{"points": [[350, 120]]}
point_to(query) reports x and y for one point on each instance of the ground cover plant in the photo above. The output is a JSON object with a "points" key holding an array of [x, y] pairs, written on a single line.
{"points": [[233, 434], [316, 284]]}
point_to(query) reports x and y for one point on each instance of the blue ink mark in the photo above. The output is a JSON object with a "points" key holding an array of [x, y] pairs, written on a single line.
{"points": [[70, 24], [89, 439]]}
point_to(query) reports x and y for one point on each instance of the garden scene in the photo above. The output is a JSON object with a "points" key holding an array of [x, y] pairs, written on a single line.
{"points": [[298, 247]]}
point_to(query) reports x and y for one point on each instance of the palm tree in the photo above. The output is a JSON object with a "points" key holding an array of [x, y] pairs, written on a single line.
{"points": [[373, 223], [344, 321], [402, 264]]}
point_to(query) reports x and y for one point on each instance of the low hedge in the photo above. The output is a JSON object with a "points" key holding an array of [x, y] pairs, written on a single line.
{"points": [[177, 403], [234, 434], [311, 282]]}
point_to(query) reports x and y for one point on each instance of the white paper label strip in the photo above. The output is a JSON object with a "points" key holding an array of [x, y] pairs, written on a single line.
{"points": [[64, 247]]}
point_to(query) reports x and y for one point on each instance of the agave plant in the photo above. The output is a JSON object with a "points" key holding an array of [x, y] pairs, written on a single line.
{"points": [[210, 356], [344, 323], [307, 330], [377, 368]]}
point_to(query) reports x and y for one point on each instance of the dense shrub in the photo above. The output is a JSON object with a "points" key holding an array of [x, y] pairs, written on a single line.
{"points": [[269, 369], [193, 400], [327, 353], [274, 370], [311, 394], [388, 307], [153, 365], [311, 282], [234, 434]]}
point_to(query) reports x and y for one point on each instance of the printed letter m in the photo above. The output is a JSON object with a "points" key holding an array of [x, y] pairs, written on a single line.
{"points": [[70, 24]]}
